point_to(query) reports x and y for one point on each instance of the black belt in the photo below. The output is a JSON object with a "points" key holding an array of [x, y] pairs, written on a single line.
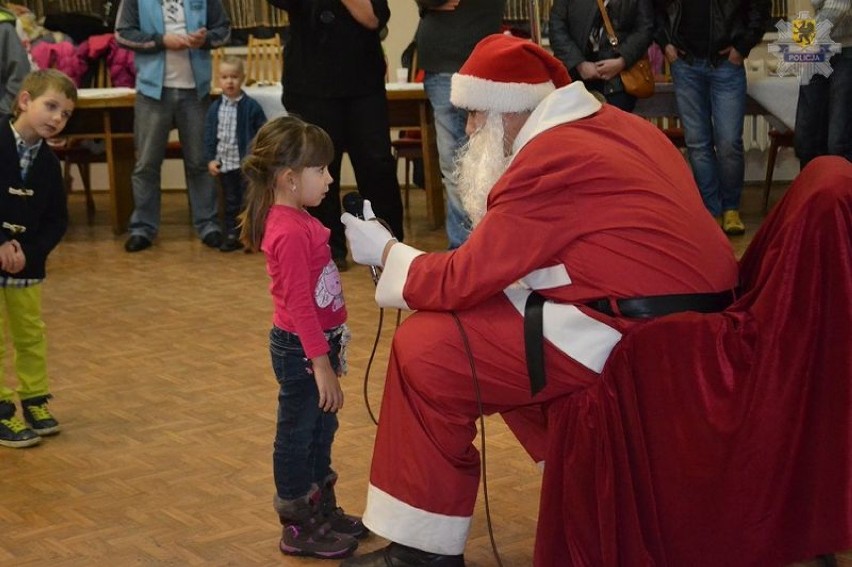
{"points": [[660, 305], [634, 307]]}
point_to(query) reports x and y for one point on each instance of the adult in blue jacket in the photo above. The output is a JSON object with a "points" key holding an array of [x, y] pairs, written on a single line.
{"points": [[172, 41]]}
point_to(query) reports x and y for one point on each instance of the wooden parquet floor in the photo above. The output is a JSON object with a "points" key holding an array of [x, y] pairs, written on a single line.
{"points": [[160, 369]]}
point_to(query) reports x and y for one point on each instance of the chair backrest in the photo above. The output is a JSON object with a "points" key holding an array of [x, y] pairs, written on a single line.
{"points": [[264, 60]]}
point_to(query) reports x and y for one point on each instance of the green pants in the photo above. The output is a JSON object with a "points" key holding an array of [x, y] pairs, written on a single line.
{"points": [[21, 307]]}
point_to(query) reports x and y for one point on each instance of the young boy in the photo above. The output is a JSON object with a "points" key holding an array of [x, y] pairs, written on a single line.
{"points": [[33, 218], [231, 124]]}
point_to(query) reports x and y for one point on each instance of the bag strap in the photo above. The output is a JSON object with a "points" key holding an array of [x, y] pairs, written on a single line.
{"points": [[613, 39]]}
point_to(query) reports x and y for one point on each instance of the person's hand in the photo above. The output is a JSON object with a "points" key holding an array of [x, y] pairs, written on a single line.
{"points": [[328, 385], [213, 167], [733, 55], [609, 68], [367, 238], [588, 71], [197, 38], [671, 52], [447, 6], [175, 41], [12, 258]]}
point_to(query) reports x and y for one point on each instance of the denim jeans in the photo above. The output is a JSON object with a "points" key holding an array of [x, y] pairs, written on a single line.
{"points": [[824, 113], [301, 454], [154, 121], [711, 104], [450, 135]]}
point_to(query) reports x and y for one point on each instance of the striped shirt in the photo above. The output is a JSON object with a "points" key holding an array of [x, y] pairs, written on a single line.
{"points": [[227, 150], [26, 153]]}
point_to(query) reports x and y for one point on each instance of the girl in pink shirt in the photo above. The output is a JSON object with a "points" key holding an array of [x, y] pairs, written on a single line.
{"points": [[286, 172]]}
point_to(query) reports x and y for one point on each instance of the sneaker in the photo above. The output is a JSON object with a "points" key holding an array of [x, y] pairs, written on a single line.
{"points": [[14, 433], [731, 223], [39, 418], [306, 533]]}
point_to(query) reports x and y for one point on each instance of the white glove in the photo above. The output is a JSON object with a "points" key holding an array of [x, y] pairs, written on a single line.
{"points": [[367, 238]]}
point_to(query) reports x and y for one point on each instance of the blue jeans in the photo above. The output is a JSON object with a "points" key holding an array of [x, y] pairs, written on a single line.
{"points": [[301, 454], [449, 131], [824, 113], [711, 104], [154, 120]]}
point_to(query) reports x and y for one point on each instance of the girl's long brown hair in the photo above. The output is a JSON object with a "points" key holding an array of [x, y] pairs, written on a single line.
{"points": [[283, 142]]}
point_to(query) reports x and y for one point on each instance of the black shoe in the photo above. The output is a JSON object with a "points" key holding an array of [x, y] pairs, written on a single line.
{"points": [[39, 417], [397, 555], [137, 243], [231, 244], [213, 239]]}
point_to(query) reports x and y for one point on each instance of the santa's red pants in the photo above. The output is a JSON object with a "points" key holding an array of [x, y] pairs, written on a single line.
{"points": [[425, 470]]}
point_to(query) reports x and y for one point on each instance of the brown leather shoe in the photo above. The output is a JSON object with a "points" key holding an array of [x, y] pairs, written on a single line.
{"points": [[397, 555]]}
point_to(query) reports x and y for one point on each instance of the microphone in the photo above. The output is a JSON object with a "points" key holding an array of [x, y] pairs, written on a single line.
{"points": [[353, 203]]}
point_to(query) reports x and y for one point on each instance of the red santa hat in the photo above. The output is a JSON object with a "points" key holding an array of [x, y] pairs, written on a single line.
{"points": [[506, 74]]}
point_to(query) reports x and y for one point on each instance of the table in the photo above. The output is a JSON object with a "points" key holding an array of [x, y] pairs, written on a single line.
{"points": [[778, 95], [108, 114], [663, 103]]}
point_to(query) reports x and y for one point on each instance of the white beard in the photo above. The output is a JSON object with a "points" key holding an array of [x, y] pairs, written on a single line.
{"points": [[479, 165]]}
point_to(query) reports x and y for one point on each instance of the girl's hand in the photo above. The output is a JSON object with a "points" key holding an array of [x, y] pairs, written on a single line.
{"points": [[328, 384], [213, 167]]}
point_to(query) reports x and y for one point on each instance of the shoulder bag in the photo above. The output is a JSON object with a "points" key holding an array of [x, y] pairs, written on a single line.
{"points": [[638, 80]]}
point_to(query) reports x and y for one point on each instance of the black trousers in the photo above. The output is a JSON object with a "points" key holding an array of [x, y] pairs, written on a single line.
{"points": [[358, 126], [233, 190]]}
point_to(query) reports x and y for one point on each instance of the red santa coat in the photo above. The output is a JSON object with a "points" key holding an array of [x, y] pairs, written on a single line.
{"points": [[596, 203]]}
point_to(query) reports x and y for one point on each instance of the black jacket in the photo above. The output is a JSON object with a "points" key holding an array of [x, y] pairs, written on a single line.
{"points": [[740, 23], [571, 22], [34, 210], [328, 54]]}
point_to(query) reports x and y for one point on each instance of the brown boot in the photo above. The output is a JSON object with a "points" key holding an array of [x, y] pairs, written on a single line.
{"points": [[306, 532], [340, 522]]}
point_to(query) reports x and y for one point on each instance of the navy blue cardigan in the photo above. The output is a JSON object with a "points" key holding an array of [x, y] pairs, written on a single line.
{"points": [[33, 211], [250, 118]]}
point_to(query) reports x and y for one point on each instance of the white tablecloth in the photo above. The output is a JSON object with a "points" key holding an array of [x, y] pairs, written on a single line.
{"points": [[269, 99], [778, 95]]}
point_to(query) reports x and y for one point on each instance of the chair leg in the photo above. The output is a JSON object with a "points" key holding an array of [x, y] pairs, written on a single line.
{"points": [[85, 169], [774, 146], [407, 182]]}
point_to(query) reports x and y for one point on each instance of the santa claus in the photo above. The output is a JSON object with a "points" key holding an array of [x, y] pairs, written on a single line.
{"points": [[588, 222]]}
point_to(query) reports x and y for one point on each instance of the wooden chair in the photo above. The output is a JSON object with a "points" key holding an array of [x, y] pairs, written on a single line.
{"points": [[76, 152], [408, 146], [264, 60], [777, 139]]}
